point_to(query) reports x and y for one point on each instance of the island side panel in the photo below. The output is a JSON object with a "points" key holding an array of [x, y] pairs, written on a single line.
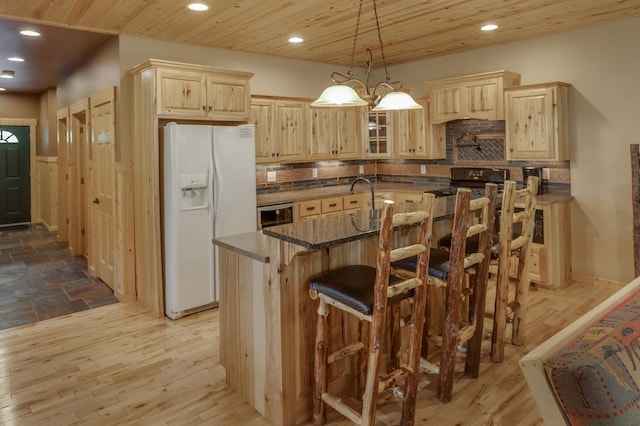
{"points": [[243, 325]]}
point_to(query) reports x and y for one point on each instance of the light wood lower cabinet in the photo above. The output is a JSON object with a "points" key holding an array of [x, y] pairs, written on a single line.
{"points": [[329, 206], [550, 258]]}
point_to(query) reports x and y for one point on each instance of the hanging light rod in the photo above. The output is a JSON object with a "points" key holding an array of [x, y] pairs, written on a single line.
{"points": [[383, 96]]}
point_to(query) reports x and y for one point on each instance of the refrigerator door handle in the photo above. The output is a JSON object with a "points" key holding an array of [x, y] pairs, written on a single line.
{"points": [[212, 192]]}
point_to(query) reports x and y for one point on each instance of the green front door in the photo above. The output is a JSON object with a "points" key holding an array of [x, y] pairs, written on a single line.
{"points": [[15, 191]]}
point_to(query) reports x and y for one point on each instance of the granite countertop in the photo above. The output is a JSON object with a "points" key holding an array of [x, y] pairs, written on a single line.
{"points": [[252, 244], [328, 231], [335, 230], [284, 197]]}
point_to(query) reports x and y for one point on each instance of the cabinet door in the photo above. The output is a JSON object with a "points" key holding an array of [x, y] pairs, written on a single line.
{"points": [[227, 99], [530, 124], [181, 93], [321, 146], [481, 100], [446, 104], [408, 131], [262, 117], [290, 130], [378, 142], [349, 132]]}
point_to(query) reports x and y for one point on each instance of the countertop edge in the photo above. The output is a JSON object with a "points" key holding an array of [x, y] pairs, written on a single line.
{"points": [[252, 244]]}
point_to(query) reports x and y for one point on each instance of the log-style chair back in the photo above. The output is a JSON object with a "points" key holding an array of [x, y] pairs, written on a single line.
{"points": [[458, 331], [511, 243], [365, 292]]}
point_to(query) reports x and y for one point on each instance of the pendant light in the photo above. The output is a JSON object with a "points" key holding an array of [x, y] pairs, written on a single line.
{"points": [[384, 96]]}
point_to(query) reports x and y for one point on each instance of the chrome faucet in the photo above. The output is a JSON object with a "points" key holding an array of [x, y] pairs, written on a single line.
{"points": [[368, 182]]}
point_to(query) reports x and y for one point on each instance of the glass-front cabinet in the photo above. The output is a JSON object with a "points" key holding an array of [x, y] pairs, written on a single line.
{"points": [[379, 141]]}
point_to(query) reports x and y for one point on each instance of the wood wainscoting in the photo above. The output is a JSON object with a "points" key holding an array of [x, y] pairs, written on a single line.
{"points": [[46, 182]]}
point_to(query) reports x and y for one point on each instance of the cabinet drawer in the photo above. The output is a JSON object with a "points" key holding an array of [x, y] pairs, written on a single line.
{"points": [[407, 197], [308, 208], [333, 204], [351, 202]]}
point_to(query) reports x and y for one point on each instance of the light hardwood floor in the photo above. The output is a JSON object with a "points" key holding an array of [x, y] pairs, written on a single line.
{"points": [[120, 365]]}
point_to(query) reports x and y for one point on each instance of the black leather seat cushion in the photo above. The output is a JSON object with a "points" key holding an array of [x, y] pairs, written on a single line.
{"points": [[473, 243], [353, 286], [438, 263]]}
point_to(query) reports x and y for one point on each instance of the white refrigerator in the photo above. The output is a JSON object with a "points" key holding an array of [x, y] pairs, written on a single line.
{"points": [[209, 191]]}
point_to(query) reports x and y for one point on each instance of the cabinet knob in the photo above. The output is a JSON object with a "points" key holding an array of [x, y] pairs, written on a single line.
{"points": [[210, 108], [96, 201]]}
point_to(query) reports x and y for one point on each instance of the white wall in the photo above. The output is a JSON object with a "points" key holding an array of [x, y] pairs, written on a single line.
{"points": [[600, 63], [603, 66]]}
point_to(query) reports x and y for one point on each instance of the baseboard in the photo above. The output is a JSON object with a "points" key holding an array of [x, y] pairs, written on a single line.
{"points": [[596, 280], [49, 227]]}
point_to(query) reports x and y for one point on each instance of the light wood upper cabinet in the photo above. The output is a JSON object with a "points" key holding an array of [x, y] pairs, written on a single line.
{"points": [[414, 136], [290, 129], [536, 122], [280, 129], [200, 92], [378, 142], [475, 96], [336, 133]]}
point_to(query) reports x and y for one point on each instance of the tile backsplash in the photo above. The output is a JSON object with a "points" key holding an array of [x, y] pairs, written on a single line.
{"points": [[468, 143]]}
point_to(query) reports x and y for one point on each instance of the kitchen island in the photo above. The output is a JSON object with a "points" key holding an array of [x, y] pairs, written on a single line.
{"points": [[267, 318]]}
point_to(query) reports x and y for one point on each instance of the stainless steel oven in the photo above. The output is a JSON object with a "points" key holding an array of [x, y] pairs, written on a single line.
{"points": [[277, 214]]}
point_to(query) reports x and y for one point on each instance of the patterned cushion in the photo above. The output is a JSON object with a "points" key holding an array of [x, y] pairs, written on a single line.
{"points": [[596, 377]]}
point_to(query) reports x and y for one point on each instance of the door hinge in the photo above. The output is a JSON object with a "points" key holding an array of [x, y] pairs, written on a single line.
{"points": [[82, 231], [81, 181], [67, 221]]}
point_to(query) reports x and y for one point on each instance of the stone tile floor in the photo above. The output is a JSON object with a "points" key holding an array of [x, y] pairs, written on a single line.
{"points": [[40, 279]]}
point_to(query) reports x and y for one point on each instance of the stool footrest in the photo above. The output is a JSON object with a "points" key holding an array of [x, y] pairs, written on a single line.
{"points": [[345, 352], [342, 408], [466, 333], [393, 379]]}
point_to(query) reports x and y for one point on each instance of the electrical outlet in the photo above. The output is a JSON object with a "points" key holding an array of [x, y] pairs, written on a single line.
{"points": [[314, 173], [271, 176], [546, 173], [361, 169], [423, 169]]}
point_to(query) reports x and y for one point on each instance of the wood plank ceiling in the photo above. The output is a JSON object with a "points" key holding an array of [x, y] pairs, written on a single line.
{"points": [[411, 29]]}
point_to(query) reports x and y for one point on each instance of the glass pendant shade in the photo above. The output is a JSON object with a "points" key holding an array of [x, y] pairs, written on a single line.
{"points": [[396, 101], [339, 95]]}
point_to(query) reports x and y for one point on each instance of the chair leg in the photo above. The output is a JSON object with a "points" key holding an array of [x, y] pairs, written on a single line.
{"points": [[320, 366], [413, 360], [361, 379], [477, 310], [520, 307], [395, 335], [500, 310], [450, 337]]}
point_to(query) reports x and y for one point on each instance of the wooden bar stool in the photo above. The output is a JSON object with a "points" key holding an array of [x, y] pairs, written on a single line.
{"points": [[447, 269], [365, 292], [519, 244]]}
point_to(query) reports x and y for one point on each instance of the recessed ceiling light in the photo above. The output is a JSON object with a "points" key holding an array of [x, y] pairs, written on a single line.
{"points": [[2, 89], [198, 7], [489, 27], [295, 39], [30, 33], [7, 74], [15, 59]]}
